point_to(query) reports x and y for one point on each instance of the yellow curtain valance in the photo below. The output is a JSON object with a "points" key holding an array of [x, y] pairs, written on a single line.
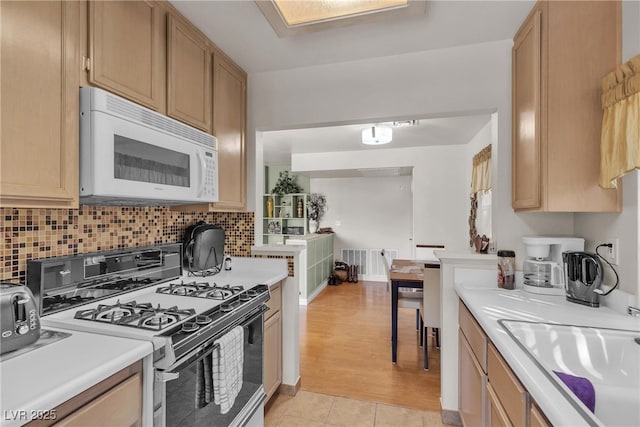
{"points": [[481, 174], [620, 141]]}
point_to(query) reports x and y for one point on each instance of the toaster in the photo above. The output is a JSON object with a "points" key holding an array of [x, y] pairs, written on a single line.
{"points": [[19, 321]]}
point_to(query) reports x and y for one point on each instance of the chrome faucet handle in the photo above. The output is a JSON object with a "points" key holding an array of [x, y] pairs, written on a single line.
{"points": [[633, 311]]}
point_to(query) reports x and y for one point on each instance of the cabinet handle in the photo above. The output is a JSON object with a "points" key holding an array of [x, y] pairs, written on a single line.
{"points": [[86, 63]]}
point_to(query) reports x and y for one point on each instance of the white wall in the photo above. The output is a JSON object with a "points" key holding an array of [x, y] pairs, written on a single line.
{"points": [[440, 192], [372, 212], [463, 79], [598, 228]]}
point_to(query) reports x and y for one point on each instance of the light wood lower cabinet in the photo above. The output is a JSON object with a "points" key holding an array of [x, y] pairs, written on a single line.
{"points": [[511, 395], [115, 401], [537, 418], [272, 371], [472, 385], [490, 394], [497, 417], [120, 406], [127, 50], [39, 72]]}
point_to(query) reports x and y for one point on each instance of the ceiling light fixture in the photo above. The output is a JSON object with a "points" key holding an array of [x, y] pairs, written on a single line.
{"points": [[377, 135]]}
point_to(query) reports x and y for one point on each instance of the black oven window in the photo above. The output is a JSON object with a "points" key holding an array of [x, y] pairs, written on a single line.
{"points": [[139, 161], [185, 404]]}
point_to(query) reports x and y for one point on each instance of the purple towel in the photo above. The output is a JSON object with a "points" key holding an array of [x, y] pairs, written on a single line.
{"points": [[581, 387]]}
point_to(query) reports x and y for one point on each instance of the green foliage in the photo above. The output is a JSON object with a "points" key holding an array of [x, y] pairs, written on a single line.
{"points": [[316, 205], [286, 184]]}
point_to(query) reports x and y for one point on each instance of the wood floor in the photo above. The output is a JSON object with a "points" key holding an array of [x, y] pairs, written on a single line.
{"points": [[345, 349]]}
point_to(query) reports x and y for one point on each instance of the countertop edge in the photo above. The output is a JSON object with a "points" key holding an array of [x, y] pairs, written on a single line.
{"points": [[551, 401]]}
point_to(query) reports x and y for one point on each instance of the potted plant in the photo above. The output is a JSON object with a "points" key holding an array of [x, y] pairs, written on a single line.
{"points": [[286, 184], [316, 205]]}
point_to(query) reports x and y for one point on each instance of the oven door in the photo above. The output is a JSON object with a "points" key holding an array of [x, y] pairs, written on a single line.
{"points": [[185, 395]]}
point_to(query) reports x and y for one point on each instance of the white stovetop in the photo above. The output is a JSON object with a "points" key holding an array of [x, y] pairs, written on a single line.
{"points": [[488, 304], [48, 376], [247, 272]]}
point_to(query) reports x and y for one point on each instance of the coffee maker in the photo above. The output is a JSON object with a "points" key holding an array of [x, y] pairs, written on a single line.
{"points": [[544, 269], [583, 275]]}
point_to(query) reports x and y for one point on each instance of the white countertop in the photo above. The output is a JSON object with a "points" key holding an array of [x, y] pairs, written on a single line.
{"points": [[44, 378], [490, 304], [281, 249], [248, 271]]}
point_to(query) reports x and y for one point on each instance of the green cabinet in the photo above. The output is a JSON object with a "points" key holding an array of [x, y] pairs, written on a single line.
{"points": [[316, 265], [285, 216]]}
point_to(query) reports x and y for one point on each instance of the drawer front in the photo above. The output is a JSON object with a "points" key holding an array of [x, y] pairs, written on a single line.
{"points": [[472, 383], [275, 302], [511, 394], [497, 416], [474, 335]]}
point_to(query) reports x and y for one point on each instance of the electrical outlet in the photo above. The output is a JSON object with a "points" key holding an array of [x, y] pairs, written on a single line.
{"points": [[612, 254]]}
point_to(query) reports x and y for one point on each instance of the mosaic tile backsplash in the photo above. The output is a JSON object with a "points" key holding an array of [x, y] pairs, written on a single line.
{"points": [[43, 233]]}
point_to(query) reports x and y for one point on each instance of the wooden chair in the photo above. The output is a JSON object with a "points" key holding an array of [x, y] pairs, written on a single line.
{"points": [[407, 297]]}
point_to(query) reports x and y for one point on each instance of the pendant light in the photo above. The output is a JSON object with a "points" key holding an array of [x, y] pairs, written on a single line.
{"points": [[376, 135]]}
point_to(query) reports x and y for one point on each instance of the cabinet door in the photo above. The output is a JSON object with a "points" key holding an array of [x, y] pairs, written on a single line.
{"points": [[39, 75], [120, 406], [189, 75], [537, 418], [126, 47], [526, 126], [471, 386], [229, 121], [272, 354], [497, 416]]}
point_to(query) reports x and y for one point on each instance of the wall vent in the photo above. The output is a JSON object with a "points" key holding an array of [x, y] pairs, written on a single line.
{"points": [[357, 257]]}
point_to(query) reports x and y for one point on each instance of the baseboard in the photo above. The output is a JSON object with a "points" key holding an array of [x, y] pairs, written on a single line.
{"points": [[315, 293], [450, 417], [289, 389]]}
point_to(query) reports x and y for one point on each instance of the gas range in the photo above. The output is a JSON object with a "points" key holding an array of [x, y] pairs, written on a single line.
{"points": [[154, 304]]}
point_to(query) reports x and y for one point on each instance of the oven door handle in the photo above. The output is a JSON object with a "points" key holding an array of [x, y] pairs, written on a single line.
{"points": [[164, 377]]}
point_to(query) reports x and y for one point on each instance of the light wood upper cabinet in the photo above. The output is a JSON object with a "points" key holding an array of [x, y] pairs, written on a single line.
{"points": [[229, 123], [526, 115], [127, 50], [560, 54], [189, 74], [39, 72]]}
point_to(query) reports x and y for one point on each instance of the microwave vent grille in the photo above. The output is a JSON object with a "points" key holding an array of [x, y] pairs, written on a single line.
{"points": [[142, 115]]}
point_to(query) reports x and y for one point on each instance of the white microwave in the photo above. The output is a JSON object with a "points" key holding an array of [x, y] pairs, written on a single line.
{"points": [[130, 155]]}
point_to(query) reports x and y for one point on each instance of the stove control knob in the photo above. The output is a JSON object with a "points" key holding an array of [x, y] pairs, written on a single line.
{"points": [[22, 329]]}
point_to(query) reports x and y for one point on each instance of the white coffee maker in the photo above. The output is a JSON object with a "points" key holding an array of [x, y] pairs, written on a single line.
{"points": [[543, 270]]}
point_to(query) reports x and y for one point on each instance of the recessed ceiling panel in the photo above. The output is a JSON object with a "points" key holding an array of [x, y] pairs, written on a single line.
{"points": [[292, 17], [307, 12]]}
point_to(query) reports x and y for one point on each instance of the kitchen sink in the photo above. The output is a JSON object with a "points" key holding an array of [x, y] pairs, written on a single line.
{"points": [[608, 358]]}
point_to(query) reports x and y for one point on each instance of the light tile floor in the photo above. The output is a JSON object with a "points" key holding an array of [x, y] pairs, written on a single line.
{"points": [[308, 409]]}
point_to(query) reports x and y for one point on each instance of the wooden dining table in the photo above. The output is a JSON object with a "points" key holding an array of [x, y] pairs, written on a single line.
{"points": [[405, 273]]}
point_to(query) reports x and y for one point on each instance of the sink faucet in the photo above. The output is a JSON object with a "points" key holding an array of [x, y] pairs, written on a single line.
{"points": [[633, 311]]}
